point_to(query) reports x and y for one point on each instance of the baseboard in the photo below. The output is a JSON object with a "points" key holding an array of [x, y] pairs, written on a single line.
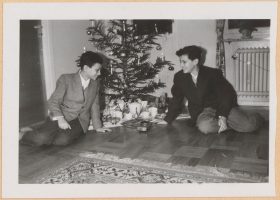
{"points": [[262, 110], [251, 103], [33, 125]]}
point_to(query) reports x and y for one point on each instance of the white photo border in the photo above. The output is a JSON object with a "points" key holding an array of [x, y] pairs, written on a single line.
{"points": [[14, 12]]}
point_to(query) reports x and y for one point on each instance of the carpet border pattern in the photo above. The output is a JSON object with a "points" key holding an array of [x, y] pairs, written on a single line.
{"points": [[142, 171]]}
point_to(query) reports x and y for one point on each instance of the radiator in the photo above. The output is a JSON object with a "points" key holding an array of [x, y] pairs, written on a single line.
{"points": [[252, 72]]}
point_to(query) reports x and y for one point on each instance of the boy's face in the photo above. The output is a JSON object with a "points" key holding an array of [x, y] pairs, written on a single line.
{"points": [[187, 64], [94, 71]]}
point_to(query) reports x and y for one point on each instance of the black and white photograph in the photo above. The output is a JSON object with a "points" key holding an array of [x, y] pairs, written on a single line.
{"points": [[139, 99]]}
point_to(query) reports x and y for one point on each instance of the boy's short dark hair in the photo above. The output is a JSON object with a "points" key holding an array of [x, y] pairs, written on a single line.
{"points": [[193, 52], [89, 58]]}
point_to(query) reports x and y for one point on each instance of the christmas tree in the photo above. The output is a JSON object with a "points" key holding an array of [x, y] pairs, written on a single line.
{"points": [[130, 73]]}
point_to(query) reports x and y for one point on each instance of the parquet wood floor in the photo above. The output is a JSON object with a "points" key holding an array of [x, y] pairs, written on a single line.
{"points": [[178, 144]]}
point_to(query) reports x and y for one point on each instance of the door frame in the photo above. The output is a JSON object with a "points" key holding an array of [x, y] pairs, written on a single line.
{"points": [[48, 66]]}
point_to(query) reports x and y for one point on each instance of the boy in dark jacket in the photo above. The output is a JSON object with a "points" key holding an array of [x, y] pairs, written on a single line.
{"points": [[212, 101]]}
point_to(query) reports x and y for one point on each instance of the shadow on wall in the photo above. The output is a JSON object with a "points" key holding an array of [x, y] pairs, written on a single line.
{"points": [[104, 73], [203, 55]]}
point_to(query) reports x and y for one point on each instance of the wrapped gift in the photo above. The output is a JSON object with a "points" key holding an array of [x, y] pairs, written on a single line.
{"points": [[127, 116], [144, 104], [144, 126], [153, 111], [145, 115], [134, 109]]}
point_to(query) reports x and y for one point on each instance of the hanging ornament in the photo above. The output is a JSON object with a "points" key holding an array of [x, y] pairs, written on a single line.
{"points": [[123, 25], [123, 32], [156, 29], [162, 57], [84, 49], [122, 53], [92, 23], [171, 68], [158, 47], [157, 79], [138, 59], [111, 66], [110, 53], [89, 32]]}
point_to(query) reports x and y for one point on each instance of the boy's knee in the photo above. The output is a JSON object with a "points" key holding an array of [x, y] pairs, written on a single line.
{"points": [[253, 123], [62, 140], [34, 138], [42, 139]]}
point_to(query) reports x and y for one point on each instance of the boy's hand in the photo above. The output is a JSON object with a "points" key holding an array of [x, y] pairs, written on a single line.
{"points": [[103, 130], [63, 124], [162, 122], [159, 121], [222, 123]]}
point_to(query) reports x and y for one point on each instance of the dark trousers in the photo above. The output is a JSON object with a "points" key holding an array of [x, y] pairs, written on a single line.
{"points": [[50, 134], [238, 120]]}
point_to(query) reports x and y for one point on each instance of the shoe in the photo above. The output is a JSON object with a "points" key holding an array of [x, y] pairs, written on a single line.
{"points": [[24, 130]]}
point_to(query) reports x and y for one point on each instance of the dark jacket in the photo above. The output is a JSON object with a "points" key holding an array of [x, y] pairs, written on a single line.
{"points": [[212, 90], [69, 100]]}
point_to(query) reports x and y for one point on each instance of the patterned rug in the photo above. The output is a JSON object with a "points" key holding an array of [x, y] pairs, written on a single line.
{"points": [[101, 168]]}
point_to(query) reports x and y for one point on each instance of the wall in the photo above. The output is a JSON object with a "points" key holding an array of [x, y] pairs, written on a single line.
{"points": [[186, 32], [68, 40], [68, 37]]}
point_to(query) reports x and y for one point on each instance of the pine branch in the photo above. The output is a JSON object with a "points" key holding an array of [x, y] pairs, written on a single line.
{"points": [[133, 72]]}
